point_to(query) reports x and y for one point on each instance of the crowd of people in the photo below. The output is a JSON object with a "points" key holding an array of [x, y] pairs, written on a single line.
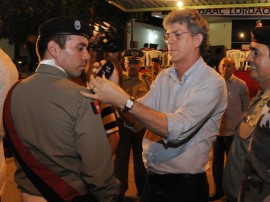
{"points": [[72, 135]]}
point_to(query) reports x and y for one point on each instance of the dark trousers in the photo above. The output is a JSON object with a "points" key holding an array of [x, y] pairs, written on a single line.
{"points": [[221, 147], [129, 140], [175, 188]]}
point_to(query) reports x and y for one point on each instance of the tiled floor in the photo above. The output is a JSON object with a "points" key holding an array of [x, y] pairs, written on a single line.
{"points": [[11, 194]]}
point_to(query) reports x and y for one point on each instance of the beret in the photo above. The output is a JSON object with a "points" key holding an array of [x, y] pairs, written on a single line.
{"points": [[261, 35], [133, 54], [64, 25], [157, 60]]}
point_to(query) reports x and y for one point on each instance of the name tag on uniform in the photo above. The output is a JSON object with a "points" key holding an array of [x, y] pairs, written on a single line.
{"points": [[245, 129]]}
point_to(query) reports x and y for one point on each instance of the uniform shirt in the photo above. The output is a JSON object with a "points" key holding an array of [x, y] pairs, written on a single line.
{"points": [[232, 174], [194, 107], [8, 76], [238, 99], [64, 131], [136, 87], [107, 111], [258, 155]]}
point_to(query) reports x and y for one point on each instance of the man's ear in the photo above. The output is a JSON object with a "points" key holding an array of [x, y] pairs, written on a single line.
{"points": [[53, 48], [197, 39]]}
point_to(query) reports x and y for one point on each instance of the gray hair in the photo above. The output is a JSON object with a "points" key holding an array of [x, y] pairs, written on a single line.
{"points": [[195, 22]]}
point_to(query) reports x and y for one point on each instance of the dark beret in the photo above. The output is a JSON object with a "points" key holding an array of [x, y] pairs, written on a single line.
{"points": [[133, 54], [64, 25], [157, 60], [261, 35]]}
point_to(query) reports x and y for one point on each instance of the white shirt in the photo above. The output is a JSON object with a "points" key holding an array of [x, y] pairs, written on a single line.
{"points": [[8, 76], [194, 107]]}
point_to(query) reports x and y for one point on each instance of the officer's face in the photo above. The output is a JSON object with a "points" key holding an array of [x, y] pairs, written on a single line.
{"points": [[260, 62], [226, 68], [74, 57], [133, 67]]}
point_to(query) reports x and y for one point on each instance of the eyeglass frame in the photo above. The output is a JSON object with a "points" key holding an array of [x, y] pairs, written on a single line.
{"points": [[177, 35]]}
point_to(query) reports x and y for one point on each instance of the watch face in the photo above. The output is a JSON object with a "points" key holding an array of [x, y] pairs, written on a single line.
{"points": [[129, 103]]}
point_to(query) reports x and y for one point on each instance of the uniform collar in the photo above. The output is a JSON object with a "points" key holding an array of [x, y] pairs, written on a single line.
{"points": [[51, 62], [49, 69]]}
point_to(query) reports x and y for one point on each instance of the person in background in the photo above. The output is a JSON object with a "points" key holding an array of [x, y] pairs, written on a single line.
{"points": [[182, 112], [156, 64], [61, 128], [256, 179], [233, 172], [152, 73], [145, 47], [8, 76], [132, 82], [238, 99], [258, 23]]}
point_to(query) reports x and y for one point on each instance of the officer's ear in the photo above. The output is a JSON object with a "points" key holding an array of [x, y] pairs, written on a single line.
{"points": [[52, 48]]}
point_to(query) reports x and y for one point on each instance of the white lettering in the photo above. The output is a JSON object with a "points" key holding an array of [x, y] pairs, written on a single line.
{"points": [[251, 11], [266, 11]]}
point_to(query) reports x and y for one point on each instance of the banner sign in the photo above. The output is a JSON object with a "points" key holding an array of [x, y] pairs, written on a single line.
{"points": [[263, 11]]}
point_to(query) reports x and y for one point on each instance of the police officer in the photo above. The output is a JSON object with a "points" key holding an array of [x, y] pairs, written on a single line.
{"points": [[156, 63], [255, 178], [137, 86], [152, 73], [62, 129], [248, 156]]}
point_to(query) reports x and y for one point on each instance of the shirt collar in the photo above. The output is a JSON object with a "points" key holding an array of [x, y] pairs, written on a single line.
{"points": [[230, 79], [189, 73]]}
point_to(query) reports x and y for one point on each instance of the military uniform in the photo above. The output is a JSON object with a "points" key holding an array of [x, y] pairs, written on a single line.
{"points": [[256, 178], [137, 86], [59, 130], [232, 176], [60, 127], [248, 159]]}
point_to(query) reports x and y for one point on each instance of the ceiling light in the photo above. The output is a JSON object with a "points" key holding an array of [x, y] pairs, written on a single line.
{"points": [[179, 4]]}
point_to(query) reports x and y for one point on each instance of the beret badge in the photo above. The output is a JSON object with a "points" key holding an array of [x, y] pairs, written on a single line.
{"points": [[77, 25]]}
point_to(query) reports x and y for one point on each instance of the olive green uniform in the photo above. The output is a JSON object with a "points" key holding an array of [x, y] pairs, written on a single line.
{"points": [[64, 131]]}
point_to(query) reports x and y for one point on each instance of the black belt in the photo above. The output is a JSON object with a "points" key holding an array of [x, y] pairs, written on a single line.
{"points": [[156, 176]]}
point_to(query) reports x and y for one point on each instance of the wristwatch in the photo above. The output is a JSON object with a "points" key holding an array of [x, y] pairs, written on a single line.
{"points": [[129, 105]]}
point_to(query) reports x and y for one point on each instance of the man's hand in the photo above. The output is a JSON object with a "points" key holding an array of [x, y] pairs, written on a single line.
{"points": [[107, 92], [114, 76]]}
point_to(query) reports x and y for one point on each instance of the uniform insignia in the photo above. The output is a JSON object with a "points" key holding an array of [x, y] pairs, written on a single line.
{"points": [[77, 25], [95, 107]]}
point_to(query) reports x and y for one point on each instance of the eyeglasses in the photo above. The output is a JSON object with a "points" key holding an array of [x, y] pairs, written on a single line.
{"points": [[175, 35]]}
